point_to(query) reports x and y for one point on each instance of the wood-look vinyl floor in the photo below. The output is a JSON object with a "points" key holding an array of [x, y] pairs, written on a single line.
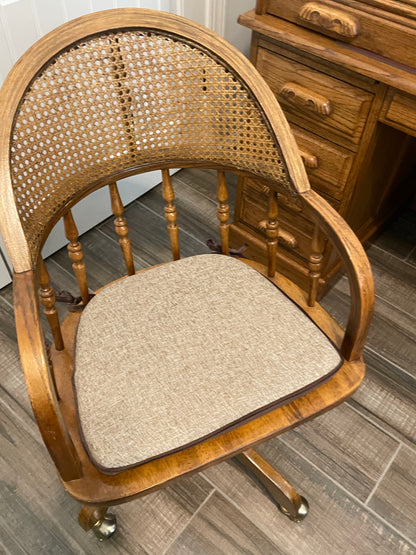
{"points": [[356, 464]]}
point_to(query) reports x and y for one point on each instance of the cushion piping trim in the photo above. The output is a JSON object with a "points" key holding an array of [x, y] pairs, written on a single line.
{"points": [[226, 428]]}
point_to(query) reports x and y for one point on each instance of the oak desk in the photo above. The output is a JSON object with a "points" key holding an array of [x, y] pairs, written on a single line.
{"points": [[352, 112]]}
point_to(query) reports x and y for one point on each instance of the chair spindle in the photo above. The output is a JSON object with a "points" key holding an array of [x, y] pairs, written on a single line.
{"points": [[315, 264], [76, 255], [171, 214], [272, 233], [223, 212], [47, 298], [121, 227]]}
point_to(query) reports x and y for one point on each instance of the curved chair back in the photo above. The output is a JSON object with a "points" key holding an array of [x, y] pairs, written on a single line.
{"points": [[122, 92]]}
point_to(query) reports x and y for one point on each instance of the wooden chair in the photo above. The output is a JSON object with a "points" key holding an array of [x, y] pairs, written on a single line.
{"points": [[129, 397]]}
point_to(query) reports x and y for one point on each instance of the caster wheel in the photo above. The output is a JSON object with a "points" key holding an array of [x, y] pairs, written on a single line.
{"points": [[300, 515], [106, 527]]}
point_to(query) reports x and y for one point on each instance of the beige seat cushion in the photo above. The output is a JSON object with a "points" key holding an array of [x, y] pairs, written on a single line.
{"points": [[185, 350]]}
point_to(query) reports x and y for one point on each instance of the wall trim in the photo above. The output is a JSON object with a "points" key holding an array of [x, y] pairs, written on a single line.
{"points": [[215, 15], [178, 7]]}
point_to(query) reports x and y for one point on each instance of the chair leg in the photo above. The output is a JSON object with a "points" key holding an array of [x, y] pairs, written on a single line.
{"points": [[96, 518], [282, 492]]}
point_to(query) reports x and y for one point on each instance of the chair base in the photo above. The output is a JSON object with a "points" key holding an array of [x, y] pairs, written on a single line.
{"points": [[106, 527], [288, 500], [300, 515], [95, 518]]}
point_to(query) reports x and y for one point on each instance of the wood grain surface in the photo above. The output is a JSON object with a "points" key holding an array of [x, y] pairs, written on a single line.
{"points": [[219, 527], [394, 498], [387, 397], [337, 522], [349, 449]]}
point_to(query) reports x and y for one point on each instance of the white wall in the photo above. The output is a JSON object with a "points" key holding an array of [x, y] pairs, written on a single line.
{"points": [[22, 22], [236, 34], [220, 16]]}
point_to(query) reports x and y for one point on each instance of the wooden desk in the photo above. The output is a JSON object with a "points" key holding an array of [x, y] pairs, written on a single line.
{"points": [[352, 112]]}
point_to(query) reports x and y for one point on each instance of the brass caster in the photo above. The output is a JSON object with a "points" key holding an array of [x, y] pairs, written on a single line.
{"points": [[300, 515], [105, 527]]}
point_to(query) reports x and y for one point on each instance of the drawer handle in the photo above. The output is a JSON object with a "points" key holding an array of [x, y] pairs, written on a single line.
{"points": [[304, 98], [309, 160], [340, 23], [287, 238], [292, 203]]}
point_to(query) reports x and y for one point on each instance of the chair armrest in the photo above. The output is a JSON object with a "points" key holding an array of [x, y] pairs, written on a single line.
{"points": [[38, 377], [358, 269]]}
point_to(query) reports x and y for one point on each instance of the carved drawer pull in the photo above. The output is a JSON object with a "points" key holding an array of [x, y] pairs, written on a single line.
{"points": [[288, 239], [324, 17], [292, 203], [284, 236], [304, 98], [309, 160]]}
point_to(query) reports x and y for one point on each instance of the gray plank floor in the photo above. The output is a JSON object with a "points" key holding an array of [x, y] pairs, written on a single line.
{"points": [[356, 464]]}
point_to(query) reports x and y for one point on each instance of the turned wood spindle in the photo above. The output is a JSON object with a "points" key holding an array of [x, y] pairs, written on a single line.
{"points": [[315, 264], [76, 255], [47, 298], [223, 212], [122, 230], [170, 213], [272, 233]]}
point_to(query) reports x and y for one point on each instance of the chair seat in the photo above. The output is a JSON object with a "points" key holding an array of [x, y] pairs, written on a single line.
{"points": [[187, 350]]}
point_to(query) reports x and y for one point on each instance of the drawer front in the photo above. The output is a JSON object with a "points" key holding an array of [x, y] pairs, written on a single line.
{"points": [[314, 100], [295, 229], [327, 165], [400, 109], [373, 29]]}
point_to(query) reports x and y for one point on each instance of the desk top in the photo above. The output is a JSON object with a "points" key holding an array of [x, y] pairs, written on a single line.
{"points": [[366, 63]]}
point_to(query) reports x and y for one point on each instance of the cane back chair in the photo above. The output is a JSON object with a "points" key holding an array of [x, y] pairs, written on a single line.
{"points": [[130, 397]]}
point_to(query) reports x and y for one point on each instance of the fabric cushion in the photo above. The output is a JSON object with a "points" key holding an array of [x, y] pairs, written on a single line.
{"points": [[185, 350]]}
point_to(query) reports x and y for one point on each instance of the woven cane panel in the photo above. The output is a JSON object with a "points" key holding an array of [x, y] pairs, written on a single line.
{"points": [[124, 99]]}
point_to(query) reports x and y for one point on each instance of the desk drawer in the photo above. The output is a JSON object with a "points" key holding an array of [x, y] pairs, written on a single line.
{"points": [[312, 99], [327, 165], [369, 28], [295, 228], [399, 109]]}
